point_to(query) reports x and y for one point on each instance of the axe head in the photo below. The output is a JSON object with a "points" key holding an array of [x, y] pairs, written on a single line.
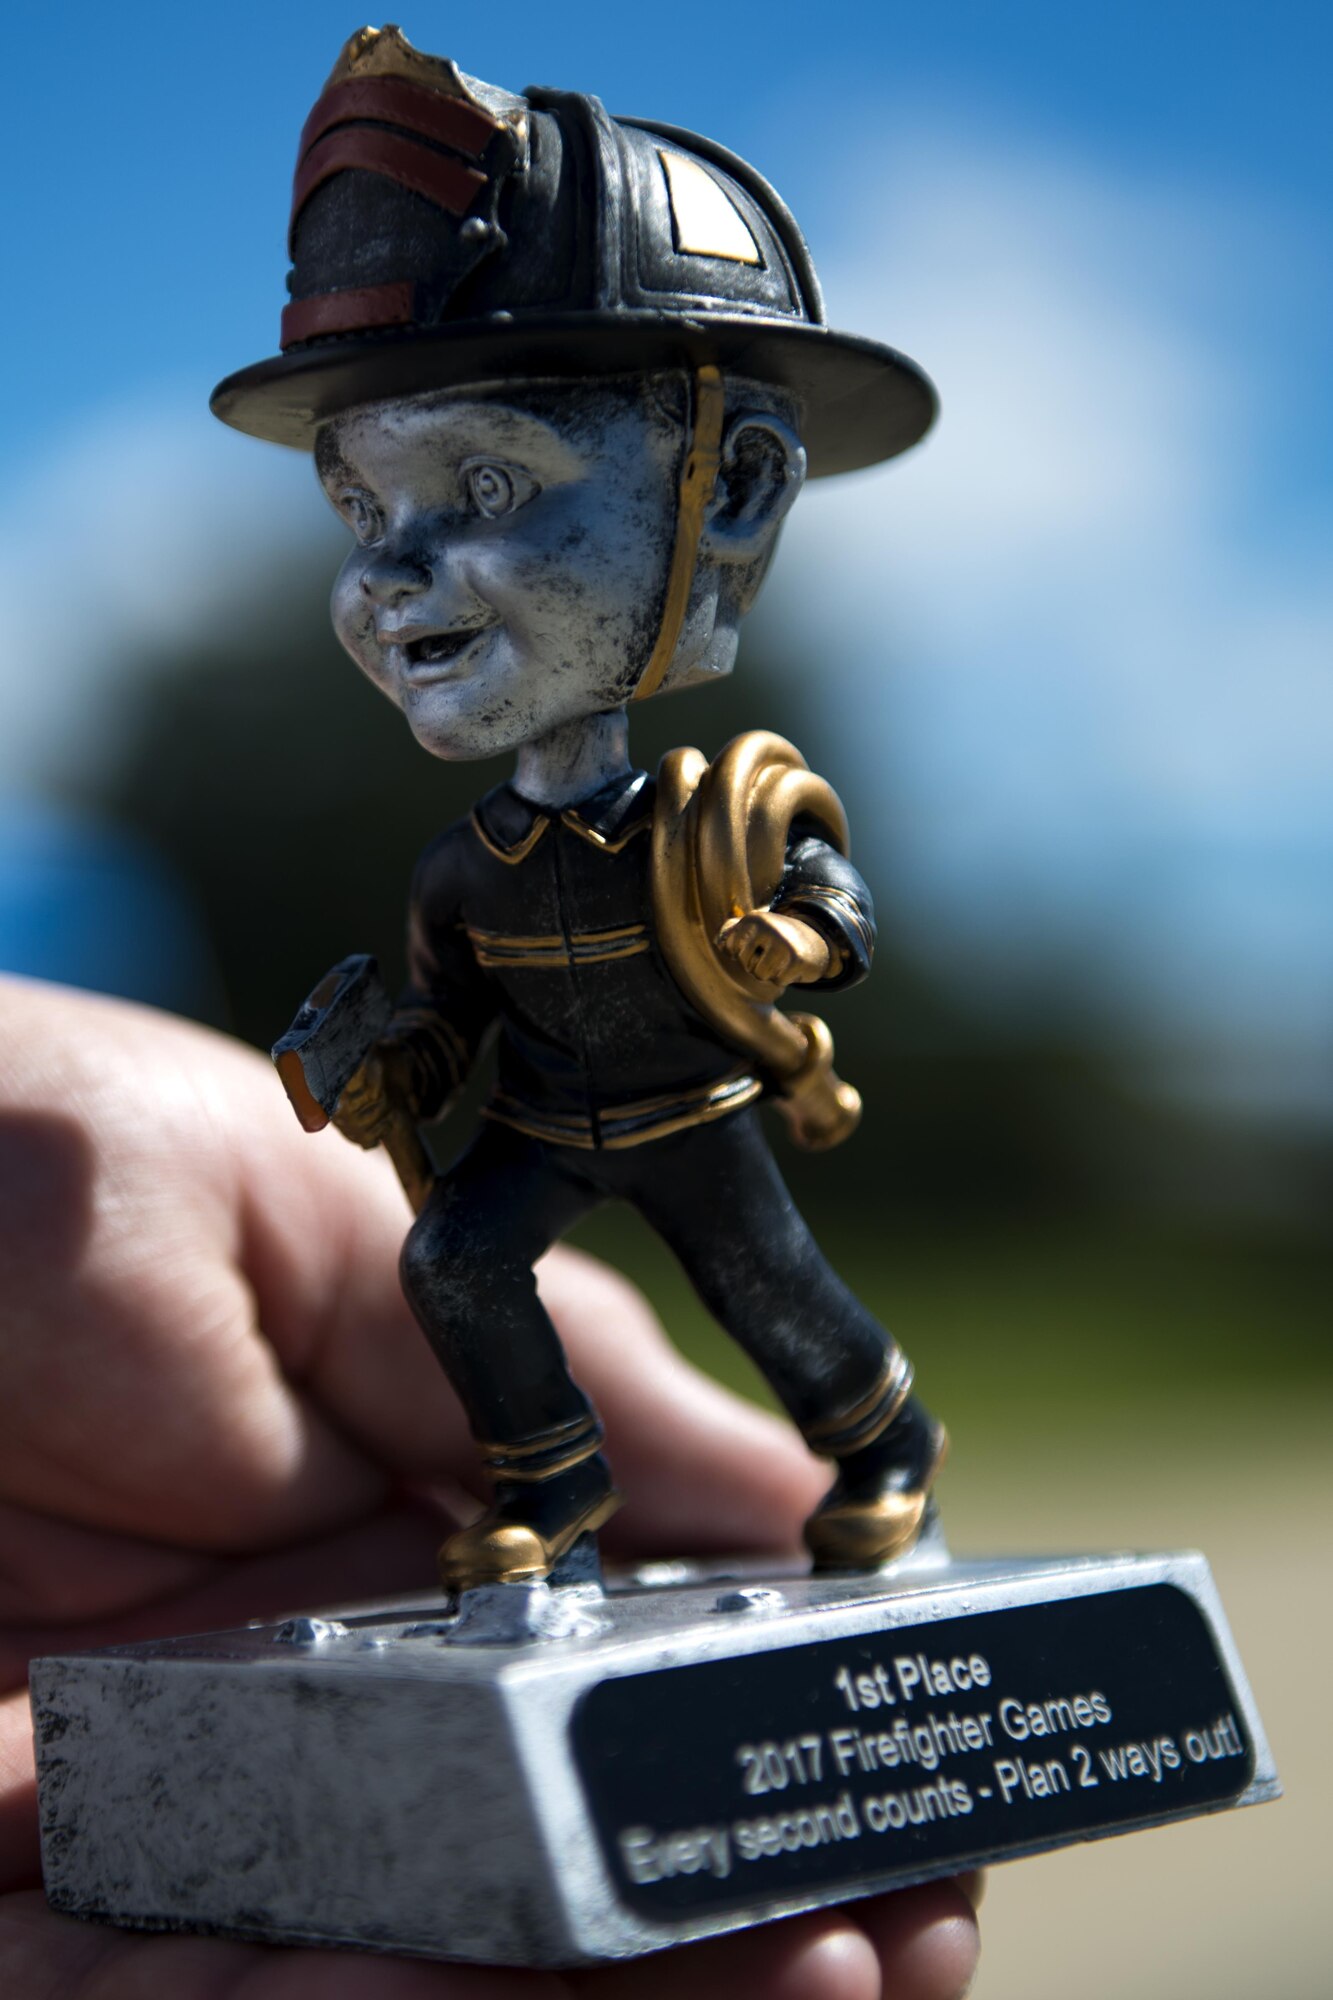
{"points": [[333, 1033]]}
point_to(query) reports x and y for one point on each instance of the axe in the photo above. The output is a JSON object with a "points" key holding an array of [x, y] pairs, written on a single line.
{"points": [[325, 1047]]}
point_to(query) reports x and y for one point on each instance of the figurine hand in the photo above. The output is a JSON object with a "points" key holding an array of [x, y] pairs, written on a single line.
{"points": [[381, 1087], [214, 1406], [781, 950]]}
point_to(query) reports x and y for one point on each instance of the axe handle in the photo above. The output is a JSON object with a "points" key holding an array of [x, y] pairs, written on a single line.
{"points": [[402, 1142]]}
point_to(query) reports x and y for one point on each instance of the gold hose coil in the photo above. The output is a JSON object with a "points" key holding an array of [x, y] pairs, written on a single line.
{"points": [[719, 845]]}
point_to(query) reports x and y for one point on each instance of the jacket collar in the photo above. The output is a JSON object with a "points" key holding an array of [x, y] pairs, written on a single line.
{"points": [[511, 825]]}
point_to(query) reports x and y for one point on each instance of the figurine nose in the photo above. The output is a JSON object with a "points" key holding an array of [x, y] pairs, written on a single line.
{"points": [[389, 578]]}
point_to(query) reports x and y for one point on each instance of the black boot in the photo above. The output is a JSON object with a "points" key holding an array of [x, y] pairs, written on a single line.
{"points": [[531, 1523], [874, 1510]]}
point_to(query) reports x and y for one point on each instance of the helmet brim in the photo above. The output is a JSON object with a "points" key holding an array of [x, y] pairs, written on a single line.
{"points": [[863, 402]]}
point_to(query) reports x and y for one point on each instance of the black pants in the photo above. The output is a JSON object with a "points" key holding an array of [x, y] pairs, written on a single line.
{"points": [[715, 1196]]}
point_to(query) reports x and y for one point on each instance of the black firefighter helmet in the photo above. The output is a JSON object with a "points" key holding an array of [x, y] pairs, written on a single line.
{"points": [[444, 232]]}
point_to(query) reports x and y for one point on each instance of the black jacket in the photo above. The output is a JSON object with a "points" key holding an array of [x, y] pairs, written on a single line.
{"points": [[543, 921]]}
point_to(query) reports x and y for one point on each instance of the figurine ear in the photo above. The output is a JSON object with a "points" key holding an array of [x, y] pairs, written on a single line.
{"points": [[761, 472]]}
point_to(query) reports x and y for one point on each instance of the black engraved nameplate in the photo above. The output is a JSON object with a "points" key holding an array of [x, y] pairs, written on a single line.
{"points": [[909, 1752]]}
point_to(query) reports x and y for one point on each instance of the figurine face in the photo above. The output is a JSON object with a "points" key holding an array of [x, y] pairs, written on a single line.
{"points": [[511, 554]]}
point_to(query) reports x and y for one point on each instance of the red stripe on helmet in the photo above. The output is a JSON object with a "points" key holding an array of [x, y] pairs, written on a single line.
{"points": [[354, 310], [409, 163], [392, 100]]}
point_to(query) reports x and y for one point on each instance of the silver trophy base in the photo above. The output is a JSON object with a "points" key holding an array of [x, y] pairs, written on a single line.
{"points": [[557, 1776]]}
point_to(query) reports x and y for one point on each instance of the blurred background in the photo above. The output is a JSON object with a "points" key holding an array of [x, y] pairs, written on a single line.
{"points": [[1068, 664]]}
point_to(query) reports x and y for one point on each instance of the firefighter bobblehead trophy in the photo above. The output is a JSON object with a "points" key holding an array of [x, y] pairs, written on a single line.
{"points": [[563, 375]]}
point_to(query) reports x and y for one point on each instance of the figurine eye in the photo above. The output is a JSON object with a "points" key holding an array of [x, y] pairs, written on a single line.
{"points": [[498, 489], [362, 515]]}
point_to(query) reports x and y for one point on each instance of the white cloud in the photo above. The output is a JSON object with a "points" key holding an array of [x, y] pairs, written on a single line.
{"points": [[130, 535], [1096, 709]]}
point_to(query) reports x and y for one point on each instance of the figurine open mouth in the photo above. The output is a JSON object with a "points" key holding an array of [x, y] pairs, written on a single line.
{"points": [[433, 655], [436, 647]]}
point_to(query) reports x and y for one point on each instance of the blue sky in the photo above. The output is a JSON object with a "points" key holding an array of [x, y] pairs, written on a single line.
{"points": [[1086, 633], [155, 147]]}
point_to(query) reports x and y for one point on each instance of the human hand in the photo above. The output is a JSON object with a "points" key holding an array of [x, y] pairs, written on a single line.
{"points": [[780, 950], [215, 1406]]}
